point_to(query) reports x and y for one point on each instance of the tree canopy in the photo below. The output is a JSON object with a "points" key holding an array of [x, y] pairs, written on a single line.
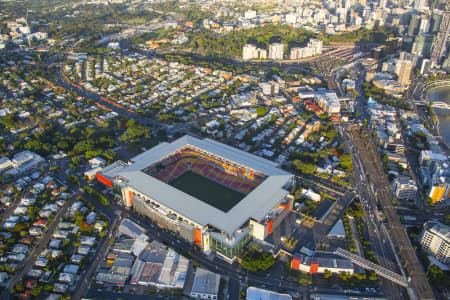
{"points": [[255, 261]]}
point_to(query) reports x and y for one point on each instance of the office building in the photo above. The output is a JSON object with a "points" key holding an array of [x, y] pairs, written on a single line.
{"points": [[423, 44], [405, 188], [435, 240], [435, 21], [440, 191], [440, 43], [420, 4], [404, 71], [426, 66], [424, 24], [414, 24]]}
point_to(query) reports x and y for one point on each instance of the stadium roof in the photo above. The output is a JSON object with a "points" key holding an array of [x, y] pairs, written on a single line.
{"points": [[246, 159], [257, 204]]}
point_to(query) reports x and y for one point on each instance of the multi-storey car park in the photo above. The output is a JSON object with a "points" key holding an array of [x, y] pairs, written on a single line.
{"points": [[209, 193]]}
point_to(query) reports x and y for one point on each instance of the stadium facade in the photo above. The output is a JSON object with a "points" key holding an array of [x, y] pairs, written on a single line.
{"points": [[214, 221]]}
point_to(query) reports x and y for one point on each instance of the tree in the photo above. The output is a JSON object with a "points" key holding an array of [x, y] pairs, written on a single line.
{"points": [[346, 161], [344, 275], [36, 290], [305, 168], [19, 288], [327, 274], [331, 134], [261, 111], [373, 276], [255, 261], [73, 179], [135, 132], [437, 277]]}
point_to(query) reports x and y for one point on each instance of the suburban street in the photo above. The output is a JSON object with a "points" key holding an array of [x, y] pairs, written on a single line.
{"points": [[102, 250], [34, 254]]}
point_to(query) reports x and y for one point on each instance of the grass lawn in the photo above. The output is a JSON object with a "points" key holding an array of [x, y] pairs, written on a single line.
{"points": [[208, 191]]}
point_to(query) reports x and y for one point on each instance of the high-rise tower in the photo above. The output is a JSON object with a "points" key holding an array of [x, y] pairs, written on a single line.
{"points": [[440, 43]]}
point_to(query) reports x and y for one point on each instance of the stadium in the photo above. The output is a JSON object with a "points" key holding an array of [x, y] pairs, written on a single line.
{"points": [[209, 193]]}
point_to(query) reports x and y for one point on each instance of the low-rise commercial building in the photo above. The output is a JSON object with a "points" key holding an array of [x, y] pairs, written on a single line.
{"points": [[206, 285]]}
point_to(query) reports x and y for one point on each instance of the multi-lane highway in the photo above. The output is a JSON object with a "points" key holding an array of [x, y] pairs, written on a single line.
{"points": [[376, 188]]}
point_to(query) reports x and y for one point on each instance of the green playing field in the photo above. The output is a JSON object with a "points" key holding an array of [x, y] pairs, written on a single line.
{"points": [[208, 191]]}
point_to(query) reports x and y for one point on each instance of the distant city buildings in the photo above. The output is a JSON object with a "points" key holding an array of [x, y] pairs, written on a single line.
{"points": [[276, 51], [435, 239], [440, 44]]}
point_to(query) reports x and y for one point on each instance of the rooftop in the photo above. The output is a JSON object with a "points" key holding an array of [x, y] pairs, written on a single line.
{"points": [[254, 293], [205, 282], [439, 229]]}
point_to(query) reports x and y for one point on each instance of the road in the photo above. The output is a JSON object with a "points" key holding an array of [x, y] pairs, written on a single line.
{"points": [[377, 188], [10, 210], [381, 250], [233, 271], [102, 250], [34, 254], [114, 296]]}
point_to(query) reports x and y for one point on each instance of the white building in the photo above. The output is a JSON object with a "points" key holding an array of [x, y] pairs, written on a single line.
{"points": [[206, 285], [291, 18], [5, 163], [270, 88], [310, 194], [254, 293], [435, 240], [252, 52], [314, 47], [276, 51], [250, 14], [26, 160], [405, 188]]}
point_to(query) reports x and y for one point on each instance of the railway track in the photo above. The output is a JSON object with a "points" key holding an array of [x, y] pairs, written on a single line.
{"points": [[369, 156]]}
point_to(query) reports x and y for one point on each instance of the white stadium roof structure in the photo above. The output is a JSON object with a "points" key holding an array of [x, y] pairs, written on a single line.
{"points": [[255, 205]]}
